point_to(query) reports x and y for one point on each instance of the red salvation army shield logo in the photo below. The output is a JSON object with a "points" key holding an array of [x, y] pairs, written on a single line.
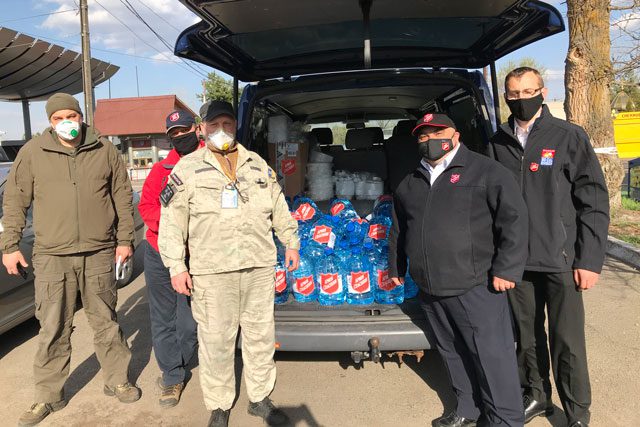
{"points": [[445, 146], [384, 281], [454, 178], [330, 283], [378, 232], [427, 118], [305, 285], [288, 167], [533, 167], [322, 234], [174, 117], [337, 208], [281, 281], [304, 212], [360, 282]]}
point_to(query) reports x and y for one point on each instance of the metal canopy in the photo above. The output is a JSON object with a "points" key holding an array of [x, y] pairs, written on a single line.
{"points": [[33, 69]]}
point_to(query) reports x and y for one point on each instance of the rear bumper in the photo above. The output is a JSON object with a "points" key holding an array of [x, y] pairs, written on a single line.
{"points": [[351, 335]]}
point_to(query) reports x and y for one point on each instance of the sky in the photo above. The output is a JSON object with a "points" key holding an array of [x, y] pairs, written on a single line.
{"points": [[118, 37]]}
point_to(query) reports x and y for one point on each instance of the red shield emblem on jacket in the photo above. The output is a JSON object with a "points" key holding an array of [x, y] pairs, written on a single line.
{"points": [[533, 167], [454, 178]]}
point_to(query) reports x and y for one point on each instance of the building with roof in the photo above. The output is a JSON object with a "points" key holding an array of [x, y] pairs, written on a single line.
{"points": [[137, 125]]}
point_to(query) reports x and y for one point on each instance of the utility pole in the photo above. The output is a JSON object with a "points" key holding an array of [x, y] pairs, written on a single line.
{"points": [[87, 84]]}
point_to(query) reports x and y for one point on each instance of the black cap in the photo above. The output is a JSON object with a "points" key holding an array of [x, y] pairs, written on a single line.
{"points": [[180, 118], [436, 120], [212, 109]]}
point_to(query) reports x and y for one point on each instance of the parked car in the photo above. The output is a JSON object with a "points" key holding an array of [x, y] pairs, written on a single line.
{"points": [[16, 293], [348, 65]]}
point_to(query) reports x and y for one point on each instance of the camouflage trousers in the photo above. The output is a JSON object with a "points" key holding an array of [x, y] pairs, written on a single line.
{"points": [[220, 303], [58, 280]]}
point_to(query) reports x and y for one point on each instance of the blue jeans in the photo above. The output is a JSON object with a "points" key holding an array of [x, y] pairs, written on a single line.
{"points": [[173, 330]]}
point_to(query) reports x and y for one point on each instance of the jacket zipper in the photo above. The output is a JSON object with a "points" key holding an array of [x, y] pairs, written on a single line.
{"points": [[424, 254], [75, 185], [564, 232]]}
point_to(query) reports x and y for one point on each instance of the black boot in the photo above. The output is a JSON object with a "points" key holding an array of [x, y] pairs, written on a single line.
{"points": [[219, 418], [266, 410]]}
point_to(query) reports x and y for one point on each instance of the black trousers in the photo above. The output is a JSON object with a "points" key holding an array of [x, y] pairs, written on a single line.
{"points": [[173, 330], [474, 336], [557, 293]]}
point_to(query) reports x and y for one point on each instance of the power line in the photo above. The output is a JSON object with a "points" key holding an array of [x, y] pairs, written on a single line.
{"points": [[159, 16], [141, 39], [133, 10], [38, 16]]}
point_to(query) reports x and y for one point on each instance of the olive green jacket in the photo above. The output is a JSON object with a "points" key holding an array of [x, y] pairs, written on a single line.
{"points": [[82, 198]]}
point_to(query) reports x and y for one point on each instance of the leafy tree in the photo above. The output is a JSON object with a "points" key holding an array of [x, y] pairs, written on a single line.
{"points": [[629, 84], [502, 73], [217, 88]]}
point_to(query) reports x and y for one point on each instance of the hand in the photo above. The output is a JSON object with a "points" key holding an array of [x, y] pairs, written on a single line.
{"points": [[292, 259], [124, 253], [182, 283], [501, 285], [11, 261], [585, 279], [397, 281]]}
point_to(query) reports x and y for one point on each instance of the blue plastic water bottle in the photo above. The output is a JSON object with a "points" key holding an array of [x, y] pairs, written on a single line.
{"points": [[282, 289], [331, 289], [386, 292], [360, 283], [343, 209], [302, 281]]}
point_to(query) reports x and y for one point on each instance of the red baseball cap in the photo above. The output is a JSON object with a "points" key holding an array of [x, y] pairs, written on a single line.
{"points": [[436, 120]]}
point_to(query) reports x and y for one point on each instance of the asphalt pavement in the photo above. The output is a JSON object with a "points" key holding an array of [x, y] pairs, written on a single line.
{"points": [[322, 389]]}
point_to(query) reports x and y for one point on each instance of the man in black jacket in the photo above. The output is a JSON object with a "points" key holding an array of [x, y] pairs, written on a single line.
{"points": [[565, 192], [462, 223]]}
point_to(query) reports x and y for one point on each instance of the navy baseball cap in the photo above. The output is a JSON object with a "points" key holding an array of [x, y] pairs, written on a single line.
{"points": [[180, 118], [212, 109], [436, 120]]}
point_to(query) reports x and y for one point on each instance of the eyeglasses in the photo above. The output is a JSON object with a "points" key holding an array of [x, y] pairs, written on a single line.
{"points": [[527, 93]]}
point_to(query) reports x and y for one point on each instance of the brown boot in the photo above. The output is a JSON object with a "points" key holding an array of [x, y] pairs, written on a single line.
{"points": [[40, 411], [169, 395], [126, 393]]}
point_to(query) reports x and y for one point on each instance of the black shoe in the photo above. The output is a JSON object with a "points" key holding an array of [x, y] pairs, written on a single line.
{"points": [[219, 418], [578, 424], [533, 408], [266, 410], [454, 420]]}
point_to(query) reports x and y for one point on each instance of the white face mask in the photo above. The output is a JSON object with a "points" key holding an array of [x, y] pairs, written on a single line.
{"points": [[220, 140], [68, 130]]}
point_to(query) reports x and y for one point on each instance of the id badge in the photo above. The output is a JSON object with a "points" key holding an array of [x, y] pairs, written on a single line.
{"points": [[229, 198]]}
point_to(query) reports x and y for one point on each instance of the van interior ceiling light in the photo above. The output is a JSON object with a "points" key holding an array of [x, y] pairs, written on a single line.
{"points": [[365, 6]]}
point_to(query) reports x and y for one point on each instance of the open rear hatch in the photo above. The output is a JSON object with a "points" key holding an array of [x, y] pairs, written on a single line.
{"points": [[256, 40]]}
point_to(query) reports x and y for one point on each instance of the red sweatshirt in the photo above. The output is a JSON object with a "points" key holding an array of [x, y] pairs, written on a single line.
{"points": [[149, 205]]}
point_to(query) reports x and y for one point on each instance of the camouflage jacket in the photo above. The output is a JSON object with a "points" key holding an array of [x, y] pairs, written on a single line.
{"points": [[223, 239]]}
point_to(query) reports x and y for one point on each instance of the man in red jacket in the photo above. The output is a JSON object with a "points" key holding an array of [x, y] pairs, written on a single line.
{"points": [[173, 330]]}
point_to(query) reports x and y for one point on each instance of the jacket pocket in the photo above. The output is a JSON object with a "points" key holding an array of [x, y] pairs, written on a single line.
{"points": [[208, 197]]}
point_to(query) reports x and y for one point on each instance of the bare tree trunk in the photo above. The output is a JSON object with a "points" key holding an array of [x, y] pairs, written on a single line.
{"points": [[588, 75]]}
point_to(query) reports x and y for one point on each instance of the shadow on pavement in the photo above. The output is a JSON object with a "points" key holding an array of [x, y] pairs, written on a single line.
{"points": [[18, 335]]}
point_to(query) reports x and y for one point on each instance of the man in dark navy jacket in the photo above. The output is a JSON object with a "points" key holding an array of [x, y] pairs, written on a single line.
{"points": [[566, 195], [461, 221]]}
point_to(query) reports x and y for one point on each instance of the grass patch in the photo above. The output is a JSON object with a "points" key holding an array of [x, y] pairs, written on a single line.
{"points": [[630, 204], [634, 240]]}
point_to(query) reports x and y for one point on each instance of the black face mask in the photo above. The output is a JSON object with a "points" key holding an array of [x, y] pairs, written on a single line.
{"points": [[525, 109], [185, 144], [435, 149]]}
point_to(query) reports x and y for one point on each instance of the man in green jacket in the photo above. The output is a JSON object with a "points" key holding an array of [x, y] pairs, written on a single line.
{"points": [[81, 196]]}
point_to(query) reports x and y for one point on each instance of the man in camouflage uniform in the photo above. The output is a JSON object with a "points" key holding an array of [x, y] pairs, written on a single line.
{"points": [[226, 200]]}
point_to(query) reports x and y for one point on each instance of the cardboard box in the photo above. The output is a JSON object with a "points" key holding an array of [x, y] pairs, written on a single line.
{"points": [[289, 160]]}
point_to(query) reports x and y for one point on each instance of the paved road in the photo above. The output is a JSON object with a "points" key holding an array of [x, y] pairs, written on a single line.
{"points": [[324, 389]]}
